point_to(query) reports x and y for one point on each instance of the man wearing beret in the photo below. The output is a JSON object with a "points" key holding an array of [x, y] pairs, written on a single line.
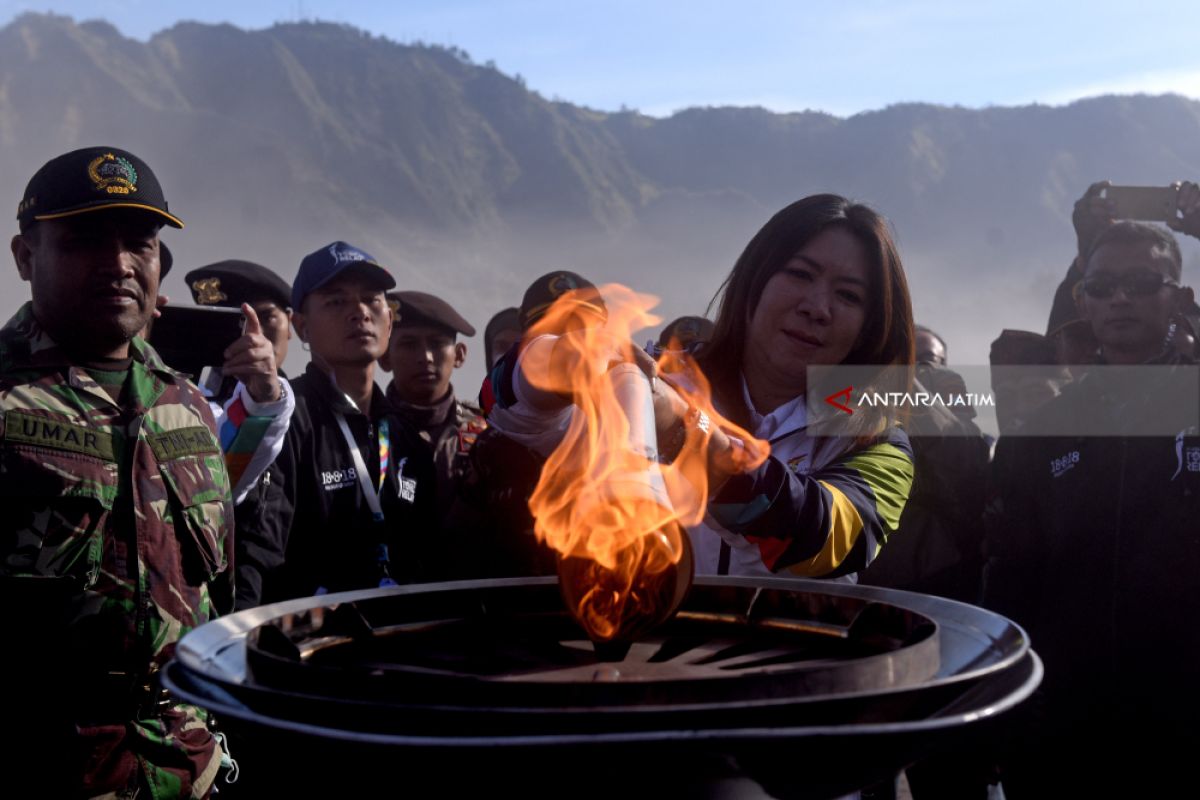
{"points": [[252, 416], [117, 515], [423, 353], [229, 284]]}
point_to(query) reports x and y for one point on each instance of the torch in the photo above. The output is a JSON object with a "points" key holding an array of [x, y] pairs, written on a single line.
{"points": [[615, 515], [619, 593]]}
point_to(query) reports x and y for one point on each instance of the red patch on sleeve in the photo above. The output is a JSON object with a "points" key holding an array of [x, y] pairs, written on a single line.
{"points": [[236, 412], [770, 550]]}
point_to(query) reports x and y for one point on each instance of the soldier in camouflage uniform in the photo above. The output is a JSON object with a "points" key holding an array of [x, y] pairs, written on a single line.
{"points": [[117, 513]]}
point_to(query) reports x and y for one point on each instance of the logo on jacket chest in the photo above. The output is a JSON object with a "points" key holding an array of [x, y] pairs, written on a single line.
{"points": [[1064, 463], [406, 487], [344, 478], [1188, 457], [339, 478]]}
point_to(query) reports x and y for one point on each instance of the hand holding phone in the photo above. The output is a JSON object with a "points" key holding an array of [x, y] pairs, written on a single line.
{"points": [[190, 338], [251, 359]]}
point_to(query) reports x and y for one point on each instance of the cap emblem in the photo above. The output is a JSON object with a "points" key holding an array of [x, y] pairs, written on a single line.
{"points": [[113, 174], [208, 291], [561, 284], [340, 254]]}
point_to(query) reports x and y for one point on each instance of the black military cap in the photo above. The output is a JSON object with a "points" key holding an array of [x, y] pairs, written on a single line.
{"points": [[418, 308], [542, 293], [687, 331], [92, 179], [231, 283]]}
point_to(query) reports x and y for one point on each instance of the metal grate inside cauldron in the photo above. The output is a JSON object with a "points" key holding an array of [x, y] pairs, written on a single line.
{"points": [[756, 687]]}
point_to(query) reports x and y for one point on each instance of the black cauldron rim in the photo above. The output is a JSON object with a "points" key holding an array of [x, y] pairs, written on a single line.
{"points": [[216, 654]]}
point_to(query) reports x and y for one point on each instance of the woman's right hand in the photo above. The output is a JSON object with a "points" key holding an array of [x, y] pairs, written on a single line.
{"points": [[674, 419], [670, 408]]}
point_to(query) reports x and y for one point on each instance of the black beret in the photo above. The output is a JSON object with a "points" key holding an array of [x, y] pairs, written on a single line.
{"points": [[419, 308], [231, 283]]}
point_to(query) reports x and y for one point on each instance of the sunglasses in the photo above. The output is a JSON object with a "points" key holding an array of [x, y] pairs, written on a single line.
{"points": [[1136, 284]]}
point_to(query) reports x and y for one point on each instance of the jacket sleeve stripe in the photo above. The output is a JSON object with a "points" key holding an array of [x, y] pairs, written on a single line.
{"points": [[832, 521], [888, 471], [845, 525]]}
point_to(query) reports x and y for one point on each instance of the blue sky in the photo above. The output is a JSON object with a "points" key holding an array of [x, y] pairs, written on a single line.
{"points": [[659, 57]]}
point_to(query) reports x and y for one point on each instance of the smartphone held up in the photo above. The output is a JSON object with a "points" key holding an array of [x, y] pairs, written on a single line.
{"points": [[1148, 203], [190, 338]]}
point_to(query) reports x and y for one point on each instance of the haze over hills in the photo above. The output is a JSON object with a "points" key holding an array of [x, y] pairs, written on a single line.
{"points": [[469, 184]]}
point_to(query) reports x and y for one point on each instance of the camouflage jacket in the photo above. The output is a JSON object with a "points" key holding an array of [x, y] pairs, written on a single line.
{"points": [[115, 520]]}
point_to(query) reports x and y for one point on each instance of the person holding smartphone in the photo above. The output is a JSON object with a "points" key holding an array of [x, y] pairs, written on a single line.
{"points": [[352, 480], [234, 282], [248, 391], [1092, 214], [1093, 542]]}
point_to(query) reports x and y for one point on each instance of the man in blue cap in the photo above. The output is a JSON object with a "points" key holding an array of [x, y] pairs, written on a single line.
{"points": [[351, 477]]}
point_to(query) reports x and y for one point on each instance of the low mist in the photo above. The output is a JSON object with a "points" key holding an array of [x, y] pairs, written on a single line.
{"points": [[467, 184]]}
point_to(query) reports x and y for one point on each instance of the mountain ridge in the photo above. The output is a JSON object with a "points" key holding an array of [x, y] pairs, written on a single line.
{"points": [[468, 183]]}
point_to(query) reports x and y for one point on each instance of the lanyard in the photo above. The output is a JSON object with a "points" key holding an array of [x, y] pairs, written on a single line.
{"points": [[385, 449], [371, 493]]}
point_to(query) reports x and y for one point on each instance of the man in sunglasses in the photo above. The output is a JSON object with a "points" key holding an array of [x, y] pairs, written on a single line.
{"points": [[1095, 547], [1131, 293], [1092, 216]]}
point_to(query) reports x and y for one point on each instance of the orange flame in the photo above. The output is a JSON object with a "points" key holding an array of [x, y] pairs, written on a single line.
{"points": [[616, 516]]}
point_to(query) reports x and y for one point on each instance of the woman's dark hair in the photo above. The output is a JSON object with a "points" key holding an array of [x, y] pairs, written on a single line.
{"points": [[887, 334]]}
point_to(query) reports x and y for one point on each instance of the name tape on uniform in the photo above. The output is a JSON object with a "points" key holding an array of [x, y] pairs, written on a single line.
{"points": [[197, 441], [40, 431]]}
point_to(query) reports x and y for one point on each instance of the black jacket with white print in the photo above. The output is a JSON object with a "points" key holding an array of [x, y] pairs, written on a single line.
{"points": [[309, 528]]}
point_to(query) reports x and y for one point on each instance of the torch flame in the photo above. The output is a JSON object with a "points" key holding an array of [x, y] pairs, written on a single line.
{"points": [[617, 517]]}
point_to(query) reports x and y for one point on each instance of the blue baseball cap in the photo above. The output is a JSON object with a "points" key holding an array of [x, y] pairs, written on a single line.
{"points": [[321, 266]]}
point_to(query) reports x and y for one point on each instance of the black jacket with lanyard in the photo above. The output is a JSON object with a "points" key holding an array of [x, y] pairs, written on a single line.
{"points": [[322, 519]]}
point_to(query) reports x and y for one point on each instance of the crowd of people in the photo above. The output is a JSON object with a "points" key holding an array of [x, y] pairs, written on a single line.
{"points": [[140, 505]]}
